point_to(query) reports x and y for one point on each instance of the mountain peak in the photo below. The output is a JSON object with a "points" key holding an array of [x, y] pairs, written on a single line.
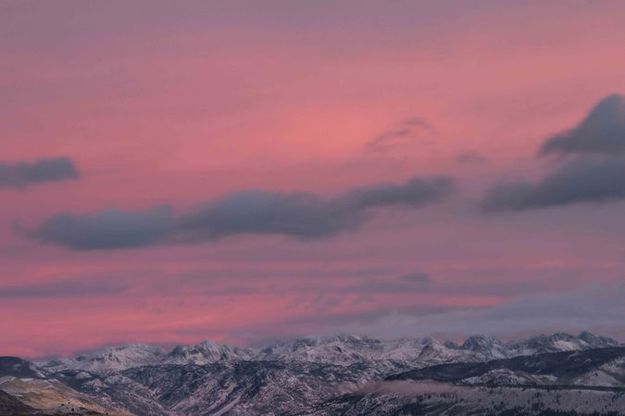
{"points": [[597, 341], [562, 341], [479, 342], [205, 352]]}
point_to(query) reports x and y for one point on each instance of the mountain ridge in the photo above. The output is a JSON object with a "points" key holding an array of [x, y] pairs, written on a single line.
{"points": [[332, 375], [336, 349]]}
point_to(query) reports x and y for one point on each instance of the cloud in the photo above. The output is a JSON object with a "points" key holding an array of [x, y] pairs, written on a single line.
{"points": [[296, 214], [106, 230], [417, 277], [61, 290], [415, 282], [418, 122], [299, 215], [415, 192], [398, 134], [580, 309], [580, 180], [23, 174], [471, 157], [384, 322], [601, 132], [595, 173], [305, 215]]}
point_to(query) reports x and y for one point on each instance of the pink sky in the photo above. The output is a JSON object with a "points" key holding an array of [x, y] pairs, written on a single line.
{"points": [[162, 103]]}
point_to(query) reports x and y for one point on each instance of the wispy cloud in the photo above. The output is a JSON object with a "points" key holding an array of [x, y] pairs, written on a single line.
{"points": [[472, 157], [62, 289], [404, 132]]}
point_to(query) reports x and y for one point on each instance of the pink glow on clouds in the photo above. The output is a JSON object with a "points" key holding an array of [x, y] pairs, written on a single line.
{"points": [[179, 107]]}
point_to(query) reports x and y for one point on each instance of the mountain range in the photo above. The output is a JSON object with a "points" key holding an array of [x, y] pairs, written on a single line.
{"points": [[559, 374]]}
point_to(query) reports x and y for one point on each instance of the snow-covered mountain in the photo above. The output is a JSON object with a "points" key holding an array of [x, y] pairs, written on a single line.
{"points": [[109, 359], [206, 352], [341, 374], [336, 350], [122, 357], [417, 352], [561, 342], [487, 346]]}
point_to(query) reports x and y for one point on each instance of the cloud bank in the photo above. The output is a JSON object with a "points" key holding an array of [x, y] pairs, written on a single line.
{"points": [[574, 310], [23, 174], [300, 215]]}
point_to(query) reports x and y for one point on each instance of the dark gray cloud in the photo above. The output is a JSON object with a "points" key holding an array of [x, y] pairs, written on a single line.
{"points": [[106, 230], [22, 174], [299, 215], [415, 192], [398, 134], [595, 173], [296, 214], [579, 180], [601, 132], [62, 290], [305, 215]]}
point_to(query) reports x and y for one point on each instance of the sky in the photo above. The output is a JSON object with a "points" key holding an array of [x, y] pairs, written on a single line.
{"points": [[245, 171]]}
